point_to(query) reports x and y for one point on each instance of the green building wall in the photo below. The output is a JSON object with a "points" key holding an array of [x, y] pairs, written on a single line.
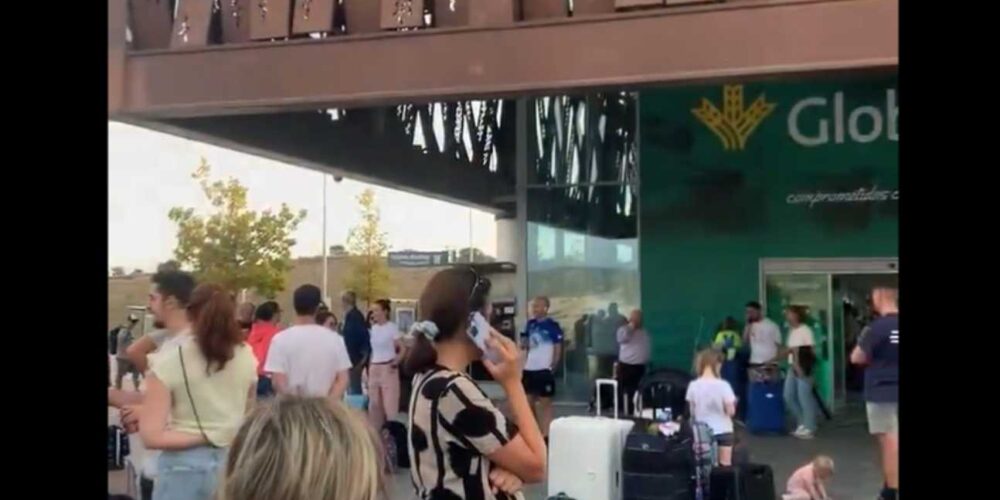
{"points": [[709, 214]]}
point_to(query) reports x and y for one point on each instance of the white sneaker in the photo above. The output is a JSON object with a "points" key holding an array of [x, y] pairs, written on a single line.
{"points": [[805, 434], [798, 430]]}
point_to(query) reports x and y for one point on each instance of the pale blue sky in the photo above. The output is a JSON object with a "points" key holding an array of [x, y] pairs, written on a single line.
{"points": [[149, 172]]}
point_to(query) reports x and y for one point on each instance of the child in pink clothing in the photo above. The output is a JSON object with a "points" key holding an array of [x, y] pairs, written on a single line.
{"points": [[807, 483]]}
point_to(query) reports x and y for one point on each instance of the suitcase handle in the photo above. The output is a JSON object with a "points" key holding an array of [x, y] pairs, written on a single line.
{"points": [[614, 388]]}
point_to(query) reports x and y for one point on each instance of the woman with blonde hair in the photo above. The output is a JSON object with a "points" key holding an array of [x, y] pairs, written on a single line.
{"points": [[713, 402], [303, 449]]}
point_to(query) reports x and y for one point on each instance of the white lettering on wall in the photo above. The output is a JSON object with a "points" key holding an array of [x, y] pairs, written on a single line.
{"points": [[863, 124], [822, 137]]}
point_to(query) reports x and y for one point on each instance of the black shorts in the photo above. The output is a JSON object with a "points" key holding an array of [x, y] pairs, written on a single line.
{"points": [[726, 439], [541, 383]]}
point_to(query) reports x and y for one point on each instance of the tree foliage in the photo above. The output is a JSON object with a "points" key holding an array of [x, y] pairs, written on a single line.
{"points": [[367, 244], [234, 246]]}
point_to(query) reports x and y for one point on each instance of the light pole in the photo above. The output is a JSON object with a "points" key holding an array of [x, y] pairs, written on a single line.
{"points": [[326, 248], [326, 297]]}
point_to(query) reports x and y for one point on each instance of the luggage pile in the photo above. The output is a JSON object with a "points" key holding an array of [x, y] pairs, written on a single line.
{"points": [[612, 458]]}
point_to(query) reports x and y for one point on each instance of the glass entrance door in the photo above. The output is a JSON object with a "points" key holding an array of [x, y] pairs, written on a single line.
{"points": [[813, 292]]}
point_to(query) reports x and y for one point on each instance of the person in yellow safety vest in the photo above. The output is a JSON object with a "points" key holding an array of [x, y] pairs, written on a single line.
{"points": [[728, 339]]}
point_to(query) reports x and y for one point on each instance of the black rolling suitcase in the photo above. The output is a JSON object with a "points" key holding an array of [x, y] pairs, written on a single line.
{"points": [[657, 467], [742, 482], [675, 485]]}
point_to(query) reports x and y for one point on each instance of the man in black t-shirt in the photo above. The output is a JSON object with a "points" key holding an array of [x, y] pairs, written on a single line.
{"points": [[878, 351]]}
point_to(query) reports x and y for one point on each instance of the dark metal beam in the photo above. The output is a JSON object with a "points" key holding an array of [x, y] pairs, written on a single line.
{"points": [[308, 140], [737, 39]]}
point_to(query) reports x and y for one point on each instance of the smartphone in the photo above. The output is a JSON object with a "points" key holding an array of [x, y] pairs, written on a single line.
{"points": [[479, 331]]}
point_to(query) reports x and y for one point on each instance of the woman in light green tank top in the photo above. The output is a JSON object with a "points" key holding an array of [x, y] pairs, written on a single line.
{"points": [[197, 395]]}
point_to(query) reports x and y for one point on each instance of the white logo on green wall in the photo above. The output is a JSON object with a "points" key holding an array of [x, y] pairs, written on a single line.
{"points": [[863, 124]]}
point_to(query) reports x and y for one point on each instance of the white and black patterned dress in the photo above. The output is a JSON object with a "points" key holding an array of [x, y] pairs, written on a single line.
{"points": [[453, 427]]}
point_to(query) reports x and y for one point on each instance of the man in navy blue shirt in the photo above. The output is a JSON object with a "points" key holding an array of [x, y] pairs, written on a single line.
{"points": [[356, 339], [878, 351]]}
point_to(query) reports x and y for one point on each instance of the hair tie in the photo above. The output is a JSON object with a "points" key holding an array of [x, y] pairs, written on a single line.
{"points": [[426, 328]]}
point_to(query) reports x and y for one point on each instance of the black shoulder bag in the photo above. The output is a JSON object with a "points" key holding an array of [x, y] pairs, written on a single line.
{"points": [[194, 409]]}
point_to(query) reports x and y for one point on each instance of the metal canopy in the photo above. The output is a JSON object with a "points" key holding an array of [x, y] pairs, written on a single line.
{"points": [[736, 39]]}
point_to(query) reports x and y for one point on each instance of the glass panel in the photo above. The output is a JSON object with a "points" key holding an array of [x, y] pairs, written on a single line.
{"points": [[811, 291], [583, 255], [583, 139]]}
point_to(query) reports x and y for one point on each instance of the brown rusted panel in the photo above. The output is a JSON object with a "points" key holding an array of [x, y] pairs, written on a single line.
{"points": [[150, 22], [192, 24], [734, 40], [362, 16], [494, 12], [541, 9], [270, 19], [235, 20], [628, 4], [402, 14], [117, 24], [588, 7], [676, 3], [450, 13], [313, 16]]}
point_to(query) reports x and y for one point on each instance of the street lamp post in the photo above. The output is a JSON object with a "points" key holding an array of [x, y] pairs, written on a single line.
{"points": [[326, 297]]}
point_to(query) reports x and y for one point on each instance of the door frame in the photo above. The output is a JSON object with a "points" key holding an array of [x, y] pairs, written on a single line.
{"points": [[821, 266]]}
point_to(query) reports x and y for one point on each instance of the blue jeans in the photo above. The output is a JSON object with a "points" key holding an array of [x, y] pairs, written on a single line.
{"points": [[799, 400], [188, 474]]}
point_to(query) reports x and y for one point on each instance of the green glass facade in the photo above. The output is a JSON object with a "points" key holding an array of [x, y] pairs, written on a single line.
{"points": [[788, 169]]}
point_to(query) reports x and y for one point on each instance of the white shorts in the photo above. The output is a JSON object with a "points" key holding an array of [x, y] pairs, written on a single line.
{"points": [[883, 418]]}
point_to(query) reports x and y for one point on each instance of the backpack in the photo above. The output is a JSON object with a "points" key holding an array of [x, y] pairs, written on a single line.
{"points": [[666, 388], [126, 339], [394, 438]]}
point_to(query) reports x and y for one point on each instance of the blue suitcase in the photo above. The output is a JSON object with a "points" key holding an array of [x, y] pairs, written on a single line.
{"points": [[766, 407], [357, 401]]}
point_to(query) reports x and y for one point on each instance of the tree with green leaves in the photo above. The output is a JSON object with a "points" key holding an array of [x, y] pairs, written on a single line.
{"points": [[367, 245], [233, 246]]}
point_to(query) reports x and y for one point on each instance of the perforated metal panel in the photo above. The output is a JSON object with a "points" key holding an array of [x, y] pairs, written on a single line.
{"points": [[192, 23], [402, 14], [313, 16], [270, 19], [235, 20], [151, 22]]}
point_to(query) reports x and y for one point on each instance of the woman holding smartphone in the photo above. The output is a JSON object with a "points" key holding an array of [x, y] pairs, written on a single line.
{"points": [[461, 445]]}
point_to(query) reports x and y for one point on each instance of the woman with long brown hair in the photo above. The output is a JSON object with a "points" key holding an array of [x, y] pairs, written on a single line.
{"points": [[461, 445], [196, 397]]}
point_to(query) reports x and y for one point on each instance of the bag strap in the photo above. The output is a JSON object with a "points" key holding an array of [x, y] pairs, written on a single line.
{"points": [[194, 409]]}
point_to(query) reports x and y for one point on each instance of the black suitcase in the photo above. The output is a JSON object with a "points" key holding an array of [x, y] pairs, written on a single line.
{"points": [[758, 482], [118, 447], [666, 388], [742, 482], [677, 485], [655, 453]]}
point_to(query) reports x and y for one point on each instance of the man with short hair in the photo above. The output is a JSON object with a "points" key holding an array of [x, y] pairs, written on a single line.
{"points": [[762, 335], [878, 351], [308, 359], [356, 338], [633, 355], [168, 299], [542, 340], [262, 331]]}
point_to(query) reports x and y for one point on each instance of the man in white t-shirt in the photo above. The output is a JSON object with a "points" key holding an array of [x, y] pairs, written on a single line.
{"points": [[308, 359], [762, 335]]}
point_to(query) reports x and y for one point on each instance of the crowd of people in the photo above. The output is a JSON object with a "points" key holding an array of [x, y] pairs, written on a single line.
{"points": [[238, 407]]}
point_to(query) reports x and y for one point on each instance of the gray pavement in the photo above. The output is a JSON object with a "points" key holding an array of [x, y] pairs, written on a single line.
{"points": [[845, 439]]}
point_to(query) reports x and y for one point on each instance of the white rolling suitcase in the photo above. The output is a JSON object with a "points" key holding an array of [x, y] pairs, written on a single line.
{"points": [[585, 453]]}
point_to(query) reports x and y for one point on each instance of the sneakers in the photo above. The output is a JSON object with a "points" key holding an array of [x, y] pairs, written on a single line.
{"points": [[803, 433]]}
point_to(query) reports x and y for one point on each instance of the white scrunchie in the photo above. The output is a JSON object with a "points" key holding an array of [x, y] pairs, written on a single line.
{"points": [[426, 328]]}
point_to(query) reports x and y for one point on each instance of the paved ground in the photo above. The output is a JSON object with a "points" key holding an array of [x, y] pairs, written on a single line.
{"points": [[845, 439]]}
